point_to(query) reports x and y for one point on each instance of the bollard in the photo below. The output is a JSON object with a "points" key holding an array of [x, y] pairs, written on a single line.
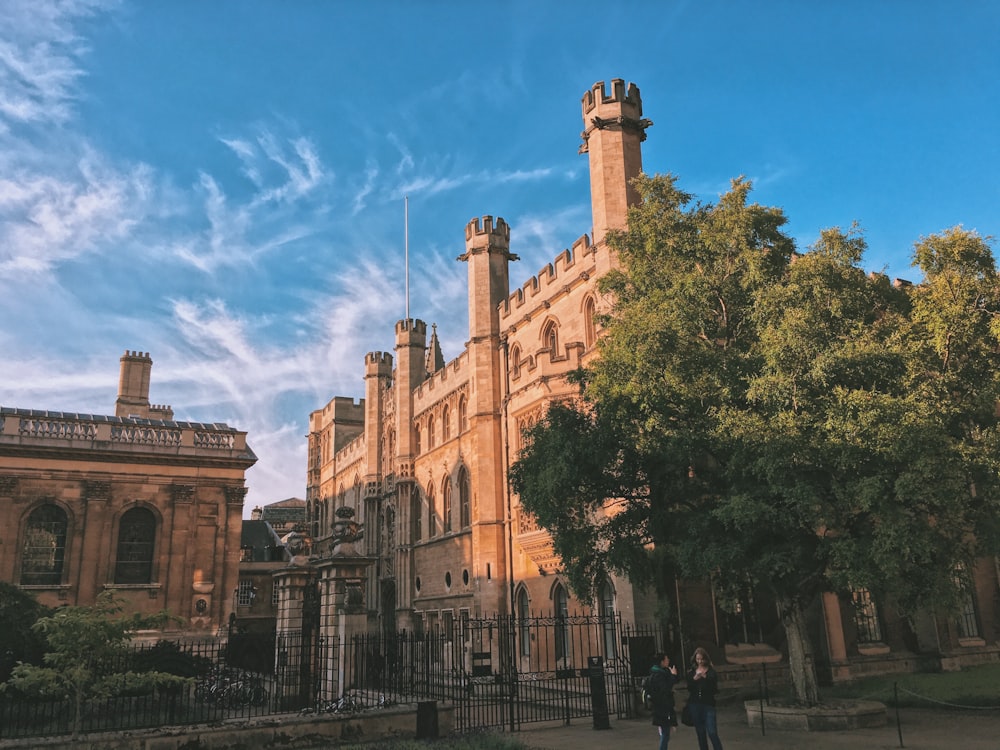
{"points": [[598, 692]]}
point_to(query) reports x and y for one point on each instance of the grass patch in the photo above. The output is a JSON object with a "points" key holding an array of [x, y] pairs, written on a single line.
{"points": [[976, 687], [472, 742]]}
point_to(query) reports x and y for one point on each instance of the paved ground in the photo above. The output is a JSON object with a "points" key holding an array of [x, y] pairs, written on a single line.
{"points": [[921, 730]]}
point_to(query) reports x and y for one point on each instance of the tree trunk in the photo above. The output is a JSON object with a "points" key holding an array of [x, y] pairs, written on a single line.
{"points": [[800, 657]]}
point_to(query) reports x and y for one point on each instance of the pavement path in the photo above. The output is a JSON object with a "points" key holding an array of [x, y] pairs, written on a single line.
{"points": [[922, 729]]}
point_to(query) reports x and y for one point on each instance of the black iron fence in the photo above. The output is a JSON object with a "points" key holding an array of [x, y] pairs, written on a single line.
{"points": [[498, 672]]}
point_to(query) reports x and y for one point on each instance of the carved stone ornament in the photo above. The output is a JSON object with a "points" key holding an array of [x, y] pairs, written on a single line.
{"points": [[235, 495], [182, 493], [96, 489], [8, 484]]}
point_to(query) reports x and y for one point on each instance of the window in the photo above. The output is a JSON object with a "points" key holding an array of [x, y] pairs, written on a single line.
{"points": [[464, 504], [432, 519], [515, 362], [866, 617], [275, 597], [136, 539], [550, 339], [417, 511], [446, 492], [523, 626], [430, 432], [245, 593], [44, 547], [246, 554], [416, 439], [589, 326], [463, 414], [606, 605], [561, 605], [967, 621], [445, 424]]}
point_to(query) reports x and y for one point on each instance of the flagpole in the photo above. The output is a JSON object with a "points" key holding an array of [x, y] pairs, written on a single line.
{"points": [[406, 235]]}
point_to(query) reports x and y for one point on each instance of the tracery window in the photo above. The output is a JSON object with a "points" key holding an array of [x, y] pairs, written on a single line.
{"points": [[523, 625], [432, 519], [463, 414], [866, 617], [515, 362], [464, 502], [418, 514], [967, 621], [446, 493], [136, 540], [44, 552], [445, 424], [550, 338], [430, 432], [589, 325]]}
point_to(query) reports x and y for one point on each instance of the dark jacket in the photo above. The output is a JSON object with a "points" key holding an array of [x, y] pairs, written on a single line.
{"points": [[703, 691], [661, 692]]}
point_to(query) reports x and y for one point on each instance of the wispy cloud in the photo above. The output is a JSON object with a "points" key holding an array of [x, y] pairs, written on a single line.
{"points": [[40, 58]]}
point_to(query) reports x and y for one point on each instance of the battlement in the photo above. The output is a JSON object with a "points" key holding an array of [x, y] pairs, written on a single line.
{"points": [[479, 234], [411, 324], [441, 382], [136, 355], [378, 363], [548, 276], [621, 98]]}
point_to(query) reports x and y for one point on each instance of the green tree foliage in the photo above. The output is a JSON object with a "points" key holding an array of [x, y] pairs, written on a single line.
{"points": [[785, 419], [87, 657], [19, 611]]}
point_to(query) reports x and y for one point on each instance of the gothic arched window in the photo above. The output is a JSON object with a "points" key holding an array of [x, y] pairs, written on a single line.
{"points": [[464, 501], [445, 424], [432, 517], [550, 338], [523, 624], [560, 602], [589, 325], [446, 493], [44, 550], [463, 414], [136, 540]]}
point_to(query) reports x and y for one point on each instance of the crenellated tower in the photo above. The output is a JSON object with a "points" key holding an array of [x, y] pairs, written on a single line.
{"points": [[614, 130], [487, 251]]}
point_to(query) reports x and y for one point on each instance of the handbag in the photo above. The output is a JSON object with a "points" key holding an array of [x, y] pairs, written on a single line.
{"points": [[686, 718]]}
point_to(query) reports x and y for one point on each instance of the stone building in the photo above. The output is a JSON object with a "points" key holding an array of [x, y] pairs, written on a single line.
{"points": [[422, 459], [136, 503]]}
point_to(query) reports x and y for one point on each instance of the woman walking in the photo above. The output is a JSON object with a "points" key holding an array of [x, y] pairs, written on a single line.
{"points": [[662, 677], [703, 682]]}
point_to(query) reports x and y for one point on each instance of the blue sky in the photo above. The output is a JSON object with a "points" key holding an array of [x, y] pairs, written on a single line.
{"points": [[220, 183]]}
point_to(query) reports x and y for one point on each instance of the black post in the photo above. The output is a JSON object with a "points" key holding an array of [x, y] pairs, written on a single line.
{"points": [[899, 726], [598, 692], [761, 688], [767, 693]]}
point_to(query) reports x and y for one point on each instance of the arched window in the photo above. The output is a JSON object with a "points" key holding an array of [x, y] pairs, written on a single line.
{"points": [[430, 432], [44, 549], [464, 502], [463, 414], [445, 424], [136, 540], [589, 325], [416, 439], [550, 339], [866, 617], [606, 610], [560, 602], [523, 624], [432, 518], [446, 493], [515, 362], [417, 513]]}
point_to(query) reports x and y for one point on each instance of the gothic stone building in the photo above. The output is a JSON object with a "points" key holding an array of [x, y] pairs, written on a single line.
{"points": [[423, 457], [137, 503]]}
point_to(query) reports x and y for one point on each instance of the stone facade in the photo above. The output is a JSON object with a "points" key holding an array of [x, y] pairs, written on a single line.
{"points": [[423, 459], [136, 503]]}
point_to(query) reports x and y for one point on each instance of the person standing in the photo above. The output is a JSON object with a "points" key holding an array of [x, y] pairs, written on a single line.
{"points": [[702, 683], [662, 678]]}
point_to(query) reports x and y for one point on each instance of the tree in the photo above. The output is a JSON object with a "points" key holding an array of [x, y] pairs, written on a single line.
{"points": [[87, 657], [19, 611], [780, 418]]}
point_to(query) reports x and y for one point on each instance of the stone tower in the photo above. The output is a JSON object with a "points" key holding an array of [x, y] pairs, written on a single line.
{"points": [[487, 251], [614, 130]]}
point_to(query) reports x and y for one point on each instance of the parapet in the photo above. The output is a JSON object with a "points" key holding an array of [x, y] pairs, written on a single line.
{"points": [[624, 101], [378, 363], [136, 355], [411, 332], [486, 235], [549, 275]]}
